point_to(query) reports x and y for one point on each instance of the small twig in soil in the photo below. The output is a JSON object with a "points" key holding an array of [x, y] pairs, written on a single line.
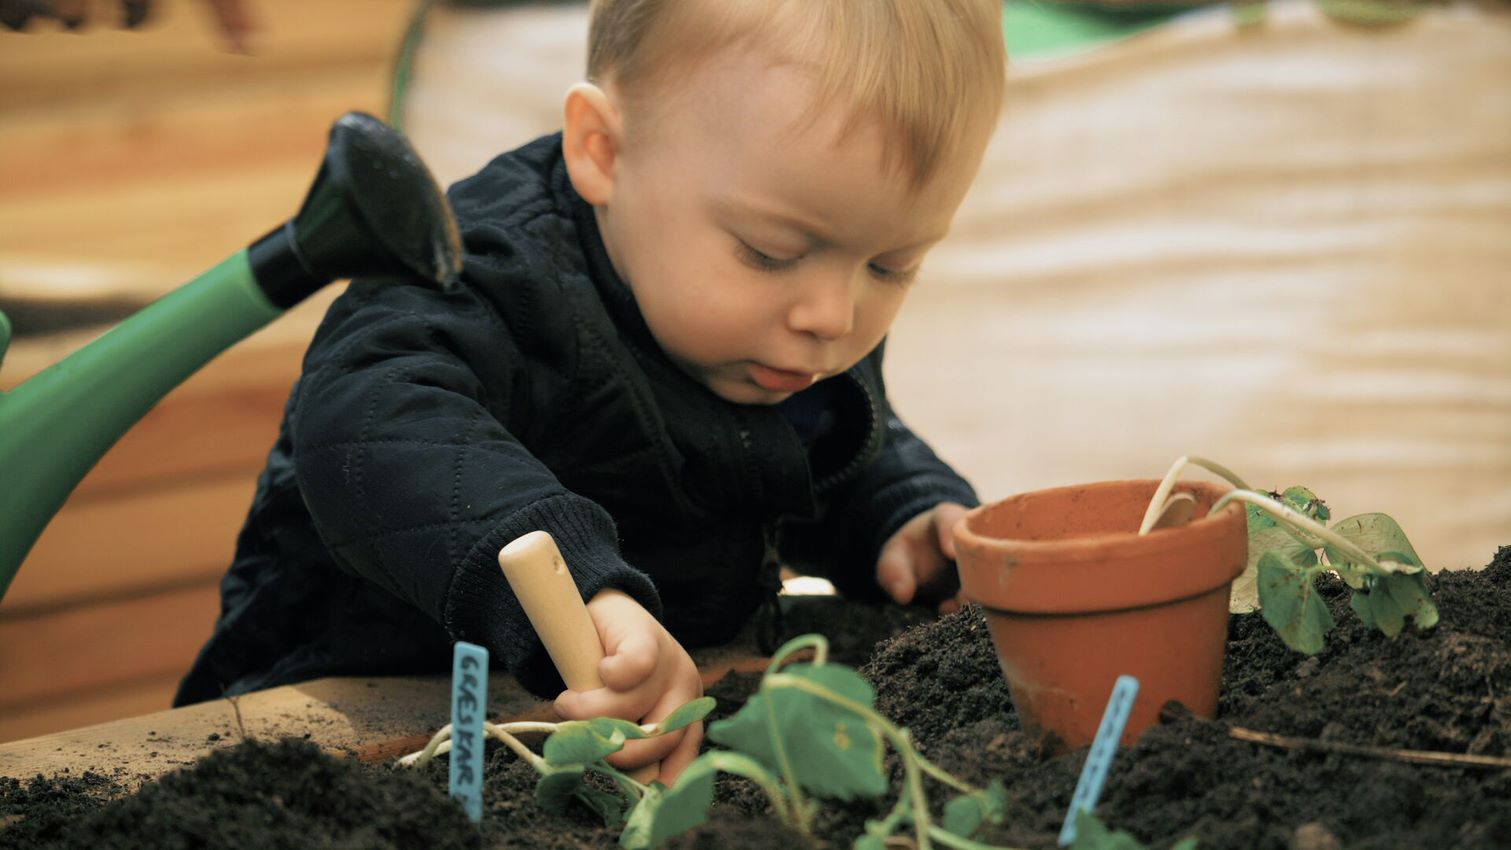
{"points": [[1414, 756], [236, 707]]}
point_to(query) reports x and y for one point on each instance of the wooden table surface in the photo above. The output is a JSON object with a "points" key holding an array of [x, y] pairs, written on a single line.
{"points": [[372, 719]]}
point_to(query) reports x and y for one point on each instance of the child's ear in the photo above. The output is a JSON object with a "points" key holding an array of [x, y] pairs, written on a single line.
{"points": [[590, 142]]}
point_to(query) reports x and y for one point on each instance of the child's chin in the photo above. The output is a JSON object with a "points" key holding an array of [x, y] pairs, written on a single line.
{"points": [[740, 392]]}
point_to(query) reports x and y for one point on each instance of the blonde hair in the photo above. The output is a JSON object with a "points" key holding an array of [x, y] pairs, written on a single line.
{"points": [[932, 71]]}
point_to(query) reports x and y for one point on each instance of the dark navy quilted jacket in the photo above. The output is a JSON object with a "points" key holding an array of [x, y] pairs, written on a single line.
{"points": [[430, 428]]}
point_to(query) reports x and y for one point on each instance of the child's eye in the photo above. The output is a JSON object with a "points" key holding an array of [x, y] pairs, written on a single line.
{"points": [[761, 261], [902, 277]]}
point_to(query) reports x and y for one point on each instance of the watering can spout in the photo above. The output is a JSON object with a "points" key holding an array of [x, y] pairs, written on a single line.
{"points": [[373, 211]]}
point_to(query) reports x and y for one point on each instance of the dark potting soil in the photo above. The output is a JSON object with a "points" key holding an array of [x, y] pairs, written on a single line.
{"points": [[1445, 689]]}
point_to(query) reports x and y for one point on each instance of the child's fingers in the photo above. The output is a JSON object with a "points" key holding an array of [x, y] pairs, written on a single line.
{"points": [[630, 662], [894, 572], [603, 702], [946, 516], [682, 691], [645, 751], [678, 759]]}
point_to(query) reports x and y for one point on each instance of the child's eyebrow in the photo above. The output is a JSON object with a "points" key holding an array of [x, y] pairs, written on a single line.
{"points": [[743, 207]]}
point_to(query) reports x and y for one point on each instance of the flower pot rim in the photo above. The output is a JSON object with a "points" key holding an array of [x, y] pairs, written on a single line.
{"points": [[1107, 571], [1090, 546]]}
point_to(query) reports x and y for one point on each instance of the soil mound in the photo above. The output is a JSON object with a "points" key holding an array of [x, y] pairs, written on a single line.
{"points": [[1339, 783]]}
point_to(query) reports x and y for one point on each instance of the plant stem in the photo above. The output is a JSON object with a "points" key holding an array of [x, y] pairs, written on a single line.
{"points": [[629, 784], [802, 812], [502, 733], [742, 765], [950, 839], [817, 642], [1304, 523], [896, 735], [440, 742], [794, 790], [1166, 484], [944, 776]]}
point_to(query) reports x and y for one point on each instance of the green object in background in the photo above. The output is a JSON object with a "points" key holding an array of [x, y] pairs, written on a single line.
{"points": [[1040, 28], [374, 211], [55, 426]]}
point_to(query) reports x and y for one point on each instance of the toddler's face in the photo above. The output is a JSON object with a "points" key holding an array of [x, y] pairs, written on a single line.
{"points": [[766, 253]]}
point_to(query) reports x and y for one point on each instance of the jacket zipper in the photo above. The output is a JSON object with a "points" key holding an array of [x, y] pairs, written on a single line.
{"points": [[861, 457]]}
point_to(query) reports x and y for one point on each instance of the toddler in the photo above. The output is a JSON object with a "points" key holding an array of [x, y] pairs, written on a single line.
{"points": [[666, 351]]}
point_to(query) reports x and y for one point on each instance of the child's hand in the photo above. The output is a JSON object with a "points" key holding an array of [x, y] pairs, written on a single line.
{"points": [[646, 676], [919, 560]]}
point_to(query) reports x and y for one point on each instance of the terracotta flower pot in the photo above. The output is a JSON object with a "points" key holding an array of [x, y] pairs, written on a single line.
{"points": [[1074, 597]]}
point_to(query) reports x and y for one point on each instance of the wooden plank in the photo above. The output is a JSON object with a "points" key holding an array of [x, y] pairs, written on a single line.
{"points": [[374, 719], [45, 658], [105, 549], [86, 708], [82, 146], [180, 49]]}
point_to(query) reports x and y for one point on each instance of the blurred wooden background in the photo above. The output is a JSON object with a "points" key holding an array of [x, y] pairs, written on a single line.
{"points": [[130, 161]]}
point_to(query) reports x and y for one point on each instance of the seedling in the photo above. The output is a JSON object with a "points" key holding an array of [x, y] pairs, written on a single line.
{"points": [[1290, 545], [575, 748], [811, 731]]}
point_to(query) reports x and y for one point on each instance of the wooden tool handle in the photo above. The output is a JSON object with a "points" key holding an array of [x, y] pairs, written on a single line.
{"points": [[537, 572]]}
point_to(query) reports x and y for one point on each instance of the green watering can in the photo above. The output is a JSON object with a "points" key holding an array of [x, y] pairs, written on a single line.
{"points": [[373, 211]]}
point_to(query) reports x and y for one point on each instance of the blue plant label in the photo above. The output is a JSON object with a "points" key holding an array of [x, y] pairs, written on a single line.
{"points": [[469, 702], [1099, 759]]}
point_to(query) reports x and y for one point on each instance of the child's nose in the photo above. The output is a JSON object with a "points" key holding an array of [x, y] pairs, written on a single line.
{"points": [[825, 306]]}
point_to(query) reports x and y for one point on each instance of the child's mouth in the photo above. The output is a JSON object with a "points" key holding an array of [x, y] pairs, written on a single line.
{"points": [[780, 380]]}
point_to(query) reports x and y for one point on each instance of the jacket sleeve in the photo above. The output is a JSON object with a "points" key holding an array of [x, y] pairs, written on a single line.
{"points": [[411, 427], [905, 479]]}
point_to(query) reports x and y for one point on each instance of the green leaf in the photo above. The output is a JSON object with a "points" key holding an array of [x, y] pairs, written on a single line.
{"points": [[687, 715], [964, 814], [1245, 593], [1383, 611], [1258, 519], [1371, 13], [1247, 13], [665, 812], [608, 726], [1389, 599], [1306, 502], [637, 826], [1091, 834], [1290, 603], [869, 842], [1411, 593], [1360, 602], [555, 789], [609, 807], [833, 751], [587, 741], [1378, 535]]}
